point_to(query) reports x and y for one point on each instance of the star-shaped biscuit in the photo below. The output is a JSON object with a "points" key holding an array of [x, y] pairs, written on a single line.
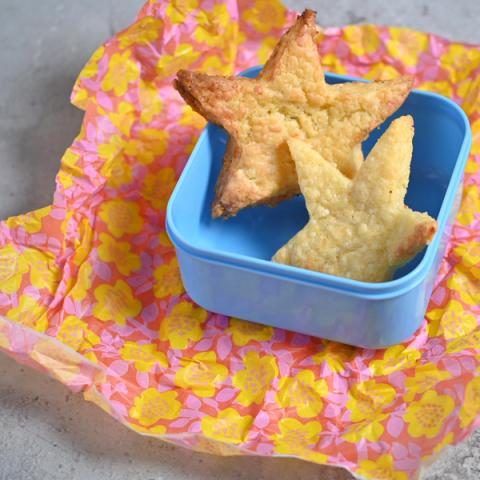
{"points": [[289, 99], [360, 228]]}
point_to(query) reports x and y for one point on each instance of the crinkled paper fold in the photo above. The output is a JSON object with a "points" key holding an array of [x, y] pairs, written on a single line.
{"points": [[90, 290]]}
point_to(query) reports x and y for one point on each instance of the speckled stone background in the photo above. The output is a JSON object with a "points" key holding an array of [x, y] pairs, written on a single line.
{"points": [[46, 432]]}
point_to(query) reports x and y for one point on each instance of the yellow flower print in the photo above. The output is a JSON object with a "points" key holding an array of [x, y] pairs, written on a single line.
{"points": [[115, 303], [177, 10], [302, 392], [70, 168], [243, 331], [218, 30], [183, 57], [117, 168], [265, 15], [151, 406], [144, 356], [470, 255], [117, 172], [43, 271], [122, 70], [295, 438], [80, 97], [362, 40], [471, 404], [333, 63], [62, 363], [123, 118], [406, 45], [452, 321], [191, 118], [91, 68], [164, 240], [255, 379], [395, 358], [12, 268], [426, 416], [213, 65], [228, 426], [425, 378], [476, 139], [381, 469], [121, 217], [90, 356], [83, 243], [467, 287], [216, 448], [31, 222], [112, 250], [312, 456], [143, 31], [201, 374], [460, 61], [113, 148], [168, 280], [150, 144], [469, 92], [155, 430], [184, 324], [369, 398], [30, 313], [75, 333], [472, 164], [157, 187], [370, 429], [144, 148], [470, 207], [468, 341], [4, 341], [64, 179], [213, 26], [335, 355], [266, 47], [381, 72], [83, 282], [150, 101], [441, 87]]}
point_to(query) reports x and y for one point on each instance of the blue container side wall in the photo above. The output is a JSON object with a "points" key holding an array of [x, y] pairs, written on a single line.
{"points": [[302, 308]]}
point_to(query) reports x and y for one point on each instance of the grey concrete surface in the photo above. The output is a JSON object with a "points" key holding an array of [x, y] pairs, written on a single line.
{"points": [[47, 432]]}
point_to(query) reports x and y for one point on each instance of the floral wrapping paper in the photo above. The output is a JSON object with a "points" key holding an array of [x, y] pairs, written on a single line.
{"points": [[90, 290]]}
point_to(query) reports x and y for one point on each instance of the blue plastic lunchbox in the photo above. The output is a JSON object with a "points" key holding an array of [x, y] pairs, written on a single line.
{"points": [[225, 264]]}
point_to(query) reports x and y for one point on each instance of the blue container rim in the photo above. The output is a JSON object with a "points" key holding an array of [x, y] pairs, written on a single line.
{"points": [[286, 272]]}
